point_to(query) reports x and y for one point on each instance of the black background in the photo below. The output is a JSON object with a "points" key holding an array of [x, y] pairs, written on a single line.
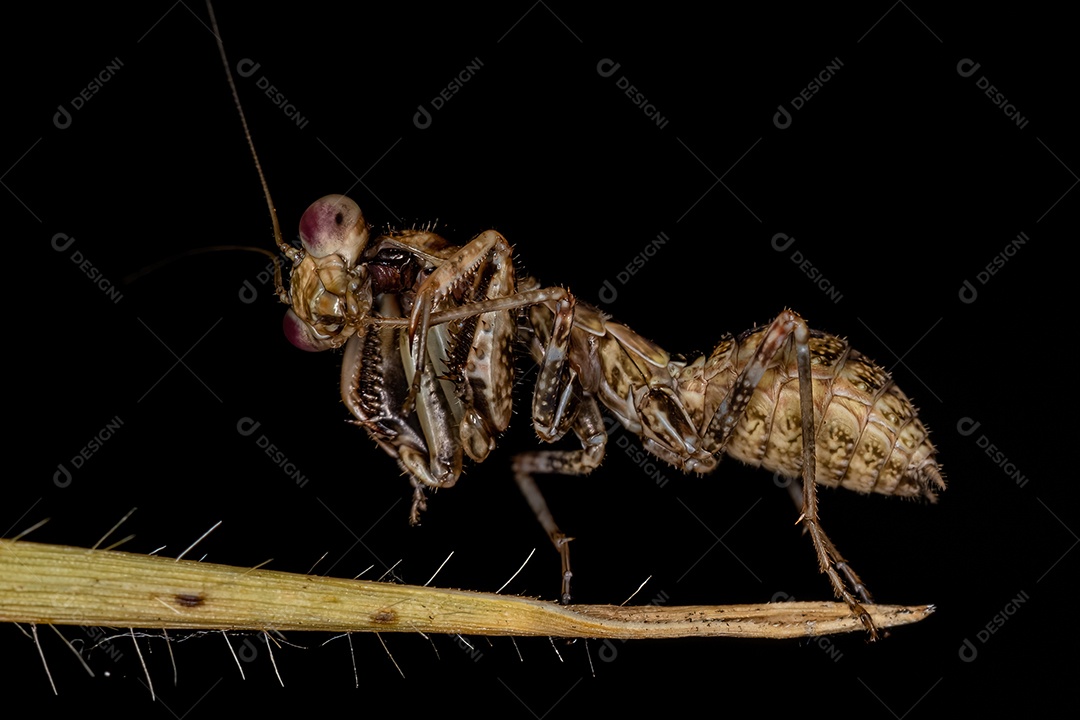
{"points": [[899, 180]]}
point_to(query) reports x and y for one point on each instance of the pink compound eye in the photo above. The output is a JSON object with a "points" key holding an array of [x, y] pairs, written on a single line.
{"points": [[302, 335], [334, 224]]}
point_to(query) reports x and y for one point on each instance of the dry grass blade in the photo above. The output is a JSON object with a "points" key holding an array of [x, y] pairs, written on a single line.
{"points": [[60, 585]]}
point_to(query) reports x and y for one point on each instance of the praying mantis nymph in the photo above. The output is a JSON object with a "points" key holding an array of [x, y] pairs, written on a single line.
{"points": [[429, 329]]}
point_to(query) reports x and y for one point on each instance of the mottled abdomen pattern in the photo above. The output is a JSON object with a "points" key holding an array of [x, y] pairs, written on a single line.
{"points": [[868, 437]]}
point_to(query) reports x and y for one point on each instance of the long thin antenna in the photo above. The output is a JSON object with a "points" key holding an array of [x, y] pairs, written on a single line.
{"points": [[289, 251]]}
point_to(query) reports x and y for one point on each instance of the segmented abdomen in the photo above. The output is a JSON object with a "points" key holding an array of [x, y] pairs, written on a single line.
{"points": [[868, 436]]}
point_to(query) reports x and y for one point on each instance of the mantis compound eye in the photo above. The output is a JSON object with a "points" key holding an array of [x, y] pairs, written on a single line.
{"points": [[334, 225], [303, 336]]}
